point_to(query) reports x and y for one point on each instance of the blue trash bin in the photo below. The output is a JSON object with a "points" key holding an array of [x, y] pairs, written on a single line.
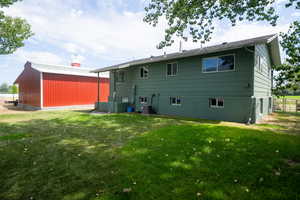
{"points": [[130, 109]]}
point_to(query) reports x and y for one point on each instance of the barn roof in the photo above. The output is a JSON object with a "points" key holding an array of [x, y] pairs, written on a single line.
{"points": [[271, 40], [67, 70], [62, 69]]}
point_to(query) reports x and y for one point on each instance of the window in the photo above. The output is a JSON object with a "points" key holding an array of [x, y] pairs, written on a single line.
{"points": [[144, 72], [143, 100], [125, 99], [120, 76], [172, 69], [210, 64], [226, 63], [175, 101], [218, 64], [259, 63], [216, 103]]}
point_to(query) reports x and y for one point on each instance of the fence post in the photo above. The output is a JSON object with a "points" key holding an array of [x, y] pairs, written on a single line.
{"points": [[285, 105]]}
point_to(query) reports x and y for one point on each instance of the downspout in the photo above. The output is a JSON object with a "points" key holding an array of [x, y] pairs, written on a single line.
{"points": [[98, 90], [114, 92], [251, 110], [252, 98], [114, 109]]}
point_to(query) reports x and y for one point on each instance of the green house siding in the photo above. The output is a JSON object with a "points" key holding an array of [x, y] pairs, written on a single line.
{"points": [[193, 86], [262, 78], [262, 81]]}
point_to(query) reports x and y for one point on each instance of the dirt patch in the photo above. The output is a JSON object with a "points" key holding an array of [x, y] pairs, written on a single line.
{"points": [[282, 122]]}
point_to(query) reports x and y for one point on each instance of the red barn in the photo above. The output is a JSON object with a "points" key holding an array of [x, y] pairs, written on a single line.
{"points": [[43, 86]]}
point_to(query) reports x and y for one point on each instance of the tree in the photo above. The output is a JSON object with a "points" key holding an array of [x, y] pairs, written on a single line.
{"points": [[13, 31], [197, 17], [288, 77], [4, 88], [13, 90]]}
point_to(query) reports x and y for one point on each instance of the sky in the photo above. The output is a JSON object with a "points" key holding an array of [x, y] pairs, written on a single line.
{"points": [[106, 32]]}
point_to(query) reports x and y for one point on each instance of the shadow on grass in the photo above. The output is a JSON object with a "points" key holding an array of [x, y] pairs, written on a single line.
{"points": [[96, 157]]}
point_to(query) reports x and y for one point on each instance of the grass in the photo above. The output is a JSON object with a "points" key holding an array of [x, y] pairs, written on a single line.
{"points": [[292, 97], [78, 156]]}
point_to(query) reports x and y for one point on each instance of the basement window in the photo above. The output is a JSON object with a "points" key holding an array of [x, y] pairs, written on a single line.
{"points": [[143, 100], [216, 103], [172, 69], [175, 101], [144, 72], [125, 99]]}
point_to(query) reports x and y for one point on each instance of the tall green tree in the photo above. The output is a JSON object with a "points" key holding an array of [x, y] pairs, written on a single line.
{"points": [[196, 18], [13, 31], [4, 88], [288, 77], [13, 89]]}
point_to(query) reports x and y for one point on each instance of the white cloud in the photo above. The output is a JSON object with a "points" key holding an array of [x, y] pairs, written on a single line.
{"points": [[37, 56], [111, 34], [246, 30], [117, 33], [75, 58], [76, 13], [296, 14], [73, 48]]}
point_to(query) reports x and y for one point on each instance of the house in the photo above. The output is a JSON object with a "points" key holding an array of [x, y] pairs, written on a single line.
{"points": [[44, 86], [231, 81]]}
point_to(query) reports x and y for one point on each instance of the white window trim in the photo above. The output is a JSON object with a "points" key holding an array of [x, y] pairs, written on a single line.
{"points": [[172, 69], [147, 67], [217, 71], [217, 100], [175, 104]]}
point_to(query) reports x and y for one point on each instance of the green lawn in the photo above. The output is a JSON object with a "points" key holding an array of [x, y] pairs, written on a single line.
{"points": [[292, 97], [75, 156]]}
